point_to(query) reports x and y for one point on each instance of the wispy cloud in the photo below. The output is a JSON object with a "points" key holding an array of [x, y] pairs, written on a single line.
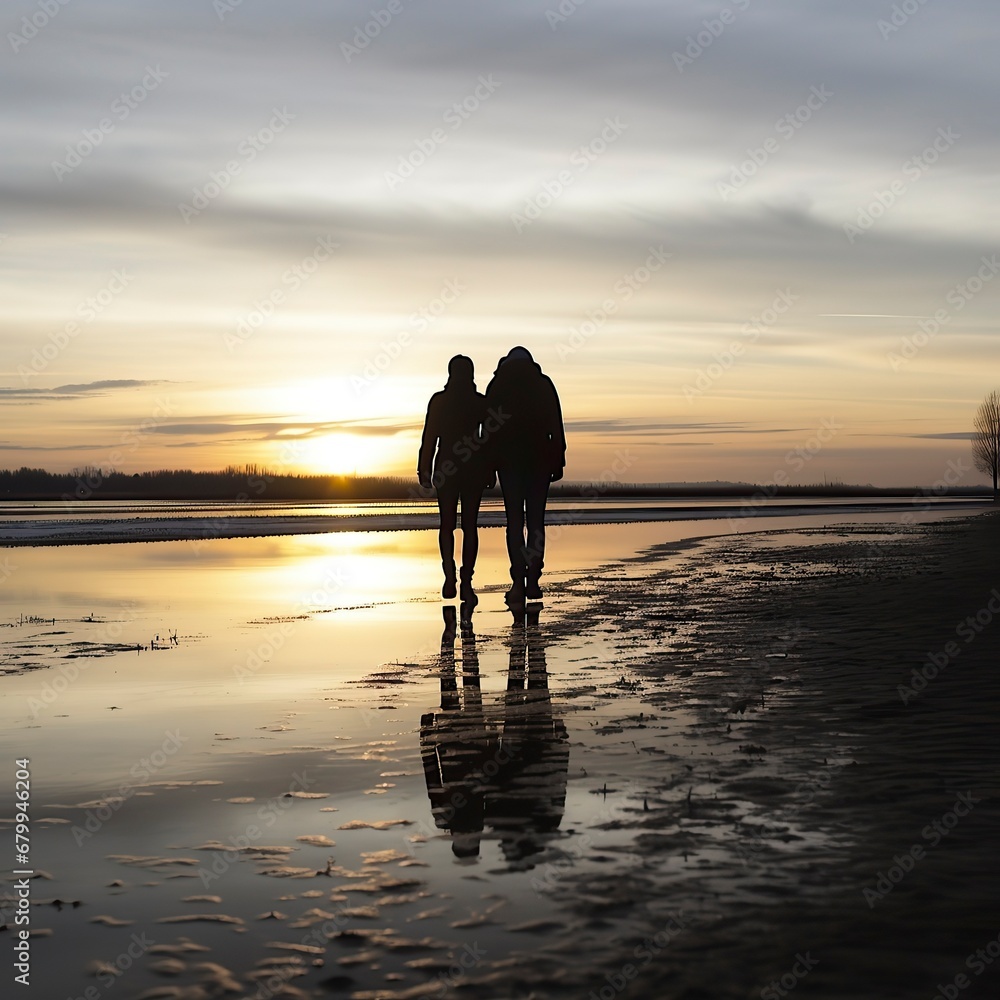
{"points": [[76, 391], [9, 446], [284, 430], [947, 436], [618, 426]]}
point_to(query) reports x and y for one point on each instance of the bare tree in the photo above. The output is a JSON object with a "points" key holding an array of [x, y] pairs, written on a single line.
{"points": [[986, 439]]}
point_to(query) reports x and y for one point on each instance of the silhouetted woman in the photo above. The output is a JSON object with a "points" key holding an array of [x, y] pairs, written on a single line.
{"points": [[451, 461]]}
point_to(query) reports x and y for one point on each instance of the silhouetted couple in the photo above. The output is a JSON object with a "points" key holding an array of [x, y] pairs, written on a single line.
{"points": [[514, 432]]}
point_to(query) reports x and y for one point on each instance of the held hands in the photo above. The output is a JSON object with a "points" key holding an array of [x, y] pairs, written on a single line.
{"points": [[491, 481]]}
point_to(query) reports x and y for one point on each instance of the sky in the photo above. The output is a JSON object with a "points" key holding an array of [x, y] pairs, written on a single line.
{"points": [[750, 241]]}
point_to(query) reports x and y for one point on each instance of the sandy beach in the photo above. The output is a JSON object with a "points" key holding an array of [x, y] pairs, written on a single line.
{"points": [[702, 768]]}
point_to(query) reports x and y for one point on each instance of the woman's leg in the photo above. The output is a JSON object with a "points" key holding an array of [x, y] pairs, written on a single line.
{"points": [[448, 509], [471, 498], [448, 506]]}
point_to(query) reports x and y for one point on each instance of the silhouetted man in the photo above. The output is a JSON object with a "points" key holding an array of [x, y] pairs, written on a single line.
{"points": [[528, 451]]}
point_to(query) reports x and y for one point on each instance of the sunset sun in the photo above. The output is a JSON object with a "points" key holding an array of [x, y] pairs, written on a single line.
{"points": [[341, 454]]}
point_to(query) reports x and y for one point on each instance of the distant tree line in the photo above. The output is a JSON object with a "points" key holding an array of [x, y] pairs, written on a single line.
{"points": [[257, 484], [245, 484]]}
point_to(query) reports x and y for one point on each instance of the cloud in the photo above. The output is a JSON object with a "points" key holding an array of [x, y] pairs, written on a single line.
{"points": [[276, 430], [87, 388], [638, 428], [8, 446], [948, 436], [99, 388]]}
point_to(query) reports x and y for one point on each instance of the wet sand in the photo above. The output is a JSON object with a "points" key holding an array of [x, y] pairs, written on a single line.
{"points": [[700, 756], [855, 817]]}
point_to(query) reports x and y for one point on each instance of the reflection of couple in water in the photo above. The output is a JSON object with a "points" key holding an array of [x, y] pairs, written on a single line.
{"points": [[496, 772], [514, 432]]}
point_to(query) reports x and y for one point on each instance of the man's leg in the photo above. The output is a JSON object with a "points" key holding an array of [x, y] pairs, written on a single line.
{"points": [[471, 497], [513, 482], [537, 493]]}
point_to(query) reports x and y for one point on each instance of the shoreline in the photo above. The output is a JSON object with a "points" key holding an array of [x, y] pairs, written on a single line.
{"points": [[202, 529]]}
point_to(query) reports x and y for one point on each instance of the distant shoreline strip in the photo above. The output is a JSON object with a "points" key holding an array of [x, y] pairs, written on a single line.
{"points": [[205, 529]]}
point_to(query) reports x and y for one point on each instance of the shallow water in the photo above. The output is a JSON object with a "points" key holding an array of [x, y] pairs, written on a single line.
{"points": [[114, 509], [261, 669]]}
